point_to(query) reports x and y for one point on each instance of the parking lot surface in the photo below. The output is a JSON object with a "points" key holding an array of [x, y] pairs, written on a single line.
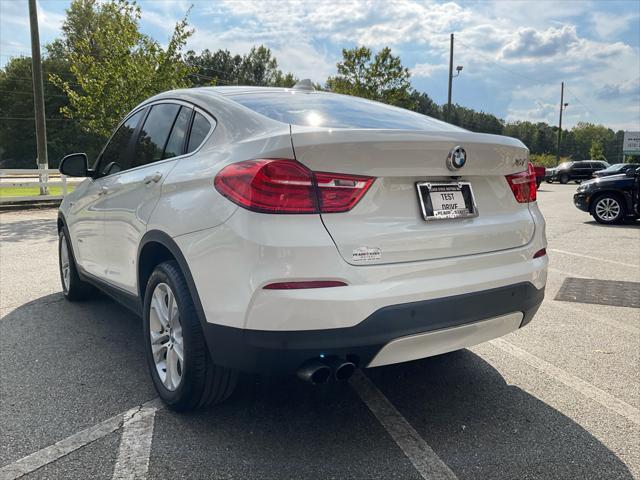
{"points": [[557, 399]]}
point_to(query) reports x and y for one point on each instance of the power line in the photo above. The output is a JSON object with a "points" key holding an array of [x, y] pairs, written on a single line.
{"points": [[528, 78], [584, 106]]}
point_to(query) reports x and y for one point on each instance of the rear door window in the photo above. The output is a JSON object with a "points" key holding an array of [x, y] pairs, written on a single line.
{"points": [[177, 138], [115, 156], [199, 131], [154, 134]]}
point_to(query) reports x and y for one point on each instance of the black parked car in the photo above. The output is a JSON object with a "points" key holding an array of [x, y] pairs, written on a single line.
{"points": [[574, 171], [611, 199], [616, 169]]}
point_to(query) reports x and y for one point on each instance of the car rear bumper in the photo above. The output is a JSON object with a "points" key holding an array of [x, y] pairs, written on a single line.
{"points": [[392, 334]]}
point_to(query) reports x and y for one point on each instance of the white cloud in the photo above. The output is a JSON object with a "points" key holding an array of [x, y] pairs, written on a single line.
{"points": [[541, 112], [425, 70], [531, 44], [624, 89], [607, 24]]}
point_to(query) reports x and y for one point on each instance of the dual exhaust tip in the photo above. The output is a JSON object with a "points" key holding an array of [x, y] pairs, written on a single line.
{"points": [[322, 370]]}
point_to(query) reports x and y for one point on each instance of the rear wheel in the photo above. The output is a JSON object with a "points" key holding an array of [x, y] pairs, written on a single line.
{"points": [[179, 362], [564, 178], [73, 288], [608, 209]]}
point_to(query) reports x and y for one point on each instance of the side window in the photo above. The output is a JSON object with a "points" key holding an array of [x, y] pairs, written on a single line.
{"points": [[154, 134], [199, 131], [176, 143], [115, 155]]}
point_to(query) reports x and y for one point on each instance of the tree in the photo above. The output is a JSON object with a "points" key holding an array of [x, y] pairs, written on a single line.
{"points": [[422, 103], [17, 126], [585, 134], [384, 79], [596, 151], [114, 66], [258, 67], [218, 68]]}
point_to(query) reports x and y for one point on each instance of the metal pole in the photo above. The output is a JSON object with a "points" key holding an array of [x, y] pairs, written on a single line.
{"points": [[560, 123], [38, 95], [448, 115]]}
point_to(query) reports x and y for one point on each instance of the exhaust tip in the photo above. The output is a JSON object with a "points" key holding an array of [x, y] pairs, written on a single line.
{"points": [[321, 375], [345, 370], [314, 372]]}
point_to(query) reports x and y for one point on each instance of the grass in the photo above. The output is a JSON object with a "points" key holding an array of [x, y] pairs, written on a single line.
{"points": [[30, 191]]}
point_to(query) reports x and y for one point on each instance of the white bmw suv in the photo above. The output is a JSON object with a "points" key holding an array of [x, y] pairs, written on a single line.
{"points": [[281, 231]]}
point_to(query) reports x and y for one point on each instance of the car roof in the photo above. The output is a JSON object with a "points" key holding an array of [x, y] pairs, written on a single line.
{"points": [[236, 90]]}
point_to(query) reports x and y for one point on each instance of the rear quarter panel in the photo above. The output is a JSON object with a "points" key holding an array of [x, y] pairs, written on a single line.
{"points": [[189, 201]]}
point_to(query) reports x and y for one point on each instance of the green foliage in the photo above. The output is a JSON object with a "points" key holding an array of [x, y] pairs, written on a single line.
{"points": [[17, 127], [596, 151], [546, 159], [383, 79], [258, 67], [114, 66]]}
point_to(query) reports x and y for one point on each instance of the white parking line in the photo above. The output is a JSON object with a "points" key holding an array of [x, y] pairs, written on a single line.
{"points": [[423, 458], [585, 388], [624, 264], [135, 446], [612, 322], [49, 454]]}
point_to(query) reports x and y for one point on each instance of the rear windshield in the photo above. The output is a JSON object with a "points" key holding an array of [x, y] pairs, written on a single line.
{"points": [[614, 167], [318, 109]]}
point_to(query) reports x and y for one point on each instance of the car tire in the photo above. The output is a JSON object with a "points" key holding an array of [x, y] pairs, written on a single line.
{"points": [[73, 288], [564, 179], [608, 209], [192, 381]]}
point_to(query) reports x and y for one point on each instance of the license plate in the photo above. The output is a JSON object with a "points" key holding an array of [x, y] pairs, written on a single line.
{"points": [[440, 201]]}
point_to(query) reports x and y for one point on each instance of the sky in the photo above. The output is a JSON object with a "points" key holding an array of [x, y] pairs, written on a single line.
{"points": [[514, 53]]}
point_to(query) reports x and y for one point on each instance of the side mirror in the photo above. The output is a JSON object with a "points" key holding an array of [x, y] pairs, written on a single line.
{"points": [[75, 165], [633, 172]]}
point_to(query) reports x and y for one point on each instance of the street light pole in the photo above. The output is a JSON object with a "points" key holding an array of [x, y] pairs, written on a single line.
{"points": [[38, 94], [448, 115], [562, 105]]}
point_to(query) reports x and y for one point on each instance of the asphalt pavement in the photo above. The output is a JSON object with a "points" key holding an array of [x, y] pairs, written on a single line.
{"points": [[557, 399]]}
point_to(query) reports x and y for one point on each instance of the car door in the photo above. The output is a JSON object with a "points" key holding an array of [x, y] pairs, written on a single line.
{"points": [[86, 215], [131, 195]]}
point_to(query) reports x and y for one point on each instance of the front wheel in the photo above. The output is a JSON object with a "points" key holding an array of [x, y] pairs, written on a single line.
{"points": [[179, 362], [608, 209], [73, 288]]}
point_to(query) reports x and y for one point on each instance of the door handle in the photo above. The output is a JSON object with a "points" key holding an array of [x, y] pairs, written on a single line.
{"points": [[103, 190], [155, 178]]}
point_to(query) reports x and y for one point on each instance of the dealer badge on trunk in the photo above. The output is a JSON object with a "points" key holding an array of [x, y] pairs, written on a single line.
{"points": [[456, 159]]}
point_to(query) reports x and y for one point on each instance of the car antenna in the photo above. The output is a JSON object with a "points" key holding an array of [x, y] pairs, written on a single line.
{"points": [[304, 84]]}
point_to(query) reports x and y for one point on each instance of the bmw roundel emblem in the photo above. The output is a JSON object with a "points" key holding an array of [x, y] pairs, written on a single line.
{"points": [[456, 159]]}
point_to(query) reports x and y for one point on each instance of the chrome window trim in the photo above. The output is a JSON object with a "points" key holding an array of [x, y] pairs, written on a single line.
{"points": [[212, 122]]}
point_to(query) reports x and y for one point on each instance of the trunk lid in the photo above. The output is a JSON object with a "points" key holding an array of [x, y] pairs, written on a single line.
{"points": [[387, 225]]}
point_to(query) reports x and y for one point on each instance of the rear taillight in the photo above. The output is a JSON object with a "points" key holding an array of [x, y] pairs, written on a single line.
{"points": [[523, 185], [286, 186]]}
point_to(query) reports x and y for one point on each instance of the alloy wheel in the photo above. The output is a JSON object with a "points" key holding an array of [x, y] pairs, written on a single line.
{"points": [[165, 332], [65, 267], [608, 209]]}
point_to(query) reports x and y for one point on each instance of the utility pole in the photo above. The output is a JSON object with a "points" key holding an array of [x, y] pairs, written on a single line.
{"points": [[562, 105], [38, 95], [448, 115]]}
